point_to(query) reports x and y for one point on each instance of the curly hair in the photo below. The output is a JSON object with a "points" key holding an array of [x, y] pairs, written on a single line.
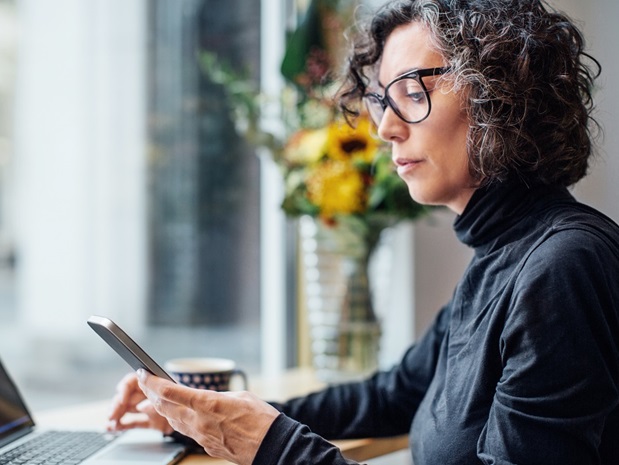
{"points": [[522, 67]]}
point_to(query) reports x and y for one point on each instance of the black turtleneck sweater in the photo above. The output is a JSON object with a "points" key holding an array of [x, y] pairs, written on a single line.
{"points": [[520, 367]]}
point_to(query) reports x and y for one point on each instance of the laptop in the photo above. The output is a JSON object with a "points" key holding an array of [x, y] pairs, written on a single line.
{"points": [[18, 433]]}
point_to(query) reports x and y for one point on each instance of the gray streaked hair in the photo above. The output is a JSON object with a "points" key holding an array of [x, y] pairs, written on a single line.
{"points": [[521, 68]]}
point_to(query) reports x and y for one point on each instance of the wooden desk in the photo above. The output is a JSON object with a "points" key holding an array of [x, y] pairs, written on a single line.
{"points": [[292, 383]]}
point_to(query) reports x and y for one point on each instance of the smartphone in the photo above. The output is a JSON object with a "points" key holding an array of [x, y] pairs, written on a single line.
{"points": [[126, 347]]}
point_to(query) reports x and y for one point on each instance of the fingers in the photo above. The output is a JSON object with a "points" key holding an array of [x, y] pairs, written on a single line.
{"points": [[158, 389], [180, 405], [128, 395], [137, 422], [127, 385], [131, 409], [120, 400], [144, 415], [155, 421], [230, 425]]}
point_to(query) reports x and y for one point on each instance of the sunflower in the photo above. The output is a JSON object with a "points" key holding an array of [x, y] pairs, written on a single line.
{"points": [[306, 146], [336, 188], [353, 144], [330, 169]]}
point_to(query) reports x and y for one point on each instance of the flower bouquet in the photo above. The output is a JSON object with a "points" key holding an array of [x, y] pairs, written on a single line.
{"points": [[338, 178]]}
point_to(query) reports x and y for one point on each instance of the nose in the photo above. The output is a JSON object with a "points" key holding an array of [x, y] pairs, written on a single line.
{"points": [[391, 127]]}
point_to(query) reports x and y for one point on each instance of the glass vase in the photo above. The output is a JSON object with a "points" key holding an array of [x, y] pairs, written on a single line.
{"points": [[344, 330]]}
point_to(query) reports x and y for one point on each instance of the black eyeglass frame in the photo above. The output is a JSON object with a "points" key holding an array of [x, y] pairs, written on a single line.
{"points": [[386, 101]]}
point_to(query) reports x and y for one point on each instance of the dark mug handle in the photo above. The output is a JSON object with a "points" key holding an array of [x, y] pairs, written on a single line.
{"points": [[241, 374]]}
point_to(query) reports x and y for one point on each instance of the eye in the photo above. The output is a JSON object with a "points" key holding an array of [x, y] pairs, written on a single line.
{"points": [[414, 92], [416, 96]]}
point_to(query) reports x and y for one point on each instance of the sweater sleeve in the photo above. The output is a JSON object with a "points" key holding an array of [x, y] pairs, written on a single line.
{"points": [[288, 441], [381, 406], [559, 351]]}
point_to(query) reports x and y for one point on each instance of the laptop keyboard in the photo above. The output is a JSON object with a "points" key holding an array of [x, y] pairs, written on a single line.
{"points": [[57, 448]]}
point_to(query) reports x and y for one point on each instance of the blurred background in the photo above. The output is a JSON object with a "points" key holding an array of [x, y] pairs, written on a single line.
{"points": [[126, 192]]}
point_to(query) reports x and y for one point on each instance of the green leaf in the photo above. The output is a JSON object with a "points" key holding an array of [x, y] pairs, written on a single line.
{"points": [[302, 40]]}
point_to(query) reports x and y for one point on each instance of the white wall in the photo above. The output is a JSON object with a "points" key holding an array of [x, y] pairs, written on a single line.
{"points": [[599, 23]]}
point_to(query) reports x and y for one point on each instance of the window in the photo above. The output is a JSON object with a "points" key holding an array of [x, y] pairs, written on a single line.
{"points": [[125, 190]]}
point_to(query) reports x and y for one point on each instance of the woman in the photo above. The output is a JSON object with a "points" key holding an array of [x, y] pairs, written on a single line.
{"points": [[486, 104]]}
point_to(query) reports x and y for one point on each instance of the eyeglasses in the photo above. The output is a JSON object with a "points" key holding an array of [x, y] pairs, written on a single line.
{"points": [[407, 96]]}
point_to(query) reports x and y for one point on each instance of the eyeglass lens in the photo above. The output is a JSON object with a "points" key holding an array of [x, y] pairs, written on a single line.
{"points": [[405, 96]]}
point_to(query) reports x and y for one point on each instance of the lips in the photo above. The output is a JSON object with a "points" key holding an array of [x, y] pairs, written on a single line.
{"points": [[406, 165]]}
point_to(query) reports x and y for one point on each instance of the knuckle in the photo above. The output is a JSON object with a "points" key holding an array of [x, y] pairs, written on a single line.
{"points": [[167, 391]]}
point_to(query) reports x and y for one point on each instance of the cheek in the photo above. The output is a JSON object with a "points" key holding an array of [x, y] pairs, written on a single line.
{"points": [[448, 143], [454, 127], [457, 141]]}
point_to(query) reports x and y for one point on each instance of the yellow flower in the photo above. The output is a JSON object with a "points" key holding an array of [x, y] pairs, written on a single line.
{"points": [[335, 187], [306, 146], [352, 143]]}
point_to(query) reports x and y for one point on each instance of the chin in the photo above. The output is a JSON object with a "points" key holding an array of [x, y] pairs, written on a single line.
{"points": [[419, 196]]}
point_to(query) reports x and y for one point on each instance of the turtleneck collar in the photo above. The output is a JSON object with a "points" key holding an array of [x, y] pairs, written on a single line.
{"points": [[497, 207]]}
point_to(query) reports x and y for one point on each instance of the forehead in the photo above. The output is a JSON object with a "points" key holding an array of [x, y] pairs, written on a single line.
{"points": [[407, 47]]}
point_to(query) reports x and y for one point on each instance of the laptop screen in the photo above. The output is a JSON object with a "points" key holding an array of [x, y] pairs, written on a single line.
{"points": [[14, 415]]}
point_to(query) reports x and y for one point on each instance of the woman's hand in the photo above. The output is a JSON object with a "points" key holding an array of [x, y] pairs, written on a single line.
{"points": [[230, 425], [130, 400]]}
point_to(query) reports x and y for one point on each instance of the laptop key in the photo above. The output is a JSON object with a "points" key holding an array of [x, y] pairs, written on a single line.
{"points": [[57, 447]]}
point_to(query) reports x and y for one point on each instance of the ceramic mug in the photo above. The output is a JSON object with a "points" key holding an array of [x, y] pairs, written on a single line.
{"points": [[215, 374]]}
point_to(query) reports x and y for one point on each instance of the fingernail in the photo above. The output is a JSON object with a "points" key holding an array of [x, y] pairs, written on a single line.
{"points": [[141, 374]]}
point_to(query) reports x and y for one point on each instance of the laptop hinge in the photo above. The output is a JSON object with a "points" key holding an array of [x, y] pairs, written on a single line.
{"points": [[15, 436]]}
